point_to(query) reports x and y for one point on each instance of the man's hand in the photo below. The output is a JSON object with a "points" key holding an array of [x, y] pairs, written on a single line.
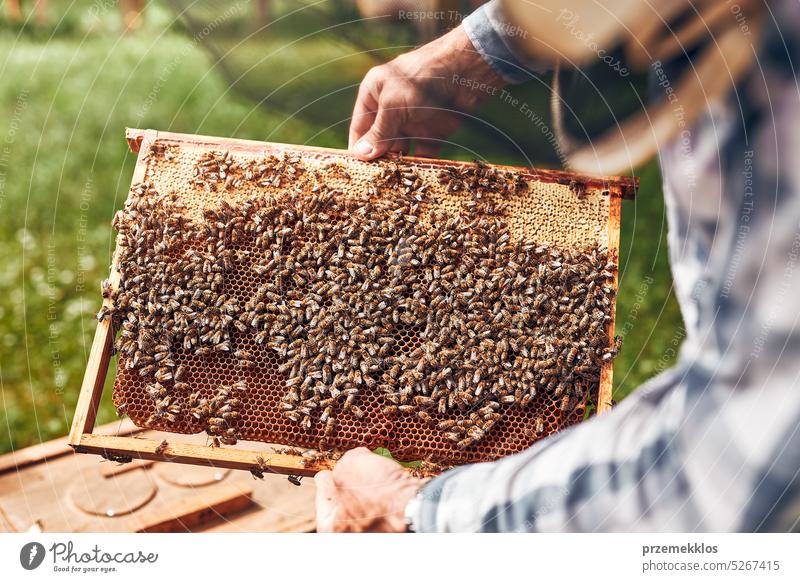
{"points": [[364, 493], [420, 96]]}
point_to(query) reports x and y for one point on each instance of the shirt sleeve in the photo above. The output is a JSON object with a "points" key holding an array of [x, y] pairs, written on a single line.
{"points": [[712, 444], [677, 455], [489, 31]]}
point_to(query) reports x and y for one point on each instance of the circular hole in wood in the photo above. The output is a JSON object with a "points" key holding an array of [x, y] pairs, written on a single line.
{"points": [[113, 496], [190, 475]]}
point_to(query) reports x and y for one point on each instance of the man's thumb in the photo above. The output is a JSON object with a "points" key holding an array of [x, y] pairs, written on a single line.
{"points": [[326, 502], [381, 136]]}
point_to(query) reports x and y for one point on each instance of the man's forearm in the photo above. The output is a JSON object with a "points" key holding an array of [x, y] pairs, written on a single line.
{"points": [[669, 458], [572, 481]]}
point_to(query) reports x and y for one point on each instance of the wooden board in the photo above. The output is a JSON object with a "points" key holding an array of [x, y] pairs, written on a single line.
{"points": [[201, 506], [119, 494], [40, 496], [55, 448], [604, 391]]}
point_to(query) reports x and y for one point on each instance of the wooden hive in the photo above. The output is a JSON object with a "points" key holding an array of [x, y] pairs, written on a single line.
{"points": [[47, 488], [557, 209]]}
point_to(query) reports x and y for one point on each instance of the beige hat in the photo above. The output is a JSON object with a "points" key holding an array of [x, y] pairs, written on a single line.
{"points": [[725, 32]]}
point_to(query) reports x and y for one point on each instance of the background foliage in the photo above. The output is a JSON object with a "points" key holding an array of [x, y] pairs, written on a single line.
{"points": [[71, 86]]}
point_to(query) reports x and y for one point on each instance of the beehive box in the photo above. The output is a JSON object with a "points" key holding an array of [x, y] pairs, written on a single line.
{"points": [[299, 296], [46, 488]]}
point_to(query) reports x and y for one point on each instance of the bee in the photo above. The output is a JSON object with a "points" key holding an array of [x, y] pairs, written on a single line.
{"points": [[117, 458], [147, 370], [161, 448], [476, 433], [106, 289], [105, 312], [565, 403], [163, 375], [166, 151], [464, 443], [260, 468], [425, 417], [579, 188]]}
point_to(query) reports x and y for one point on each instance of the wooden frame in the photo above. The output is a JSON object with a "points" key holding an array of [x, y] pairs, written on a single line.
{"points": [[84, 440]]}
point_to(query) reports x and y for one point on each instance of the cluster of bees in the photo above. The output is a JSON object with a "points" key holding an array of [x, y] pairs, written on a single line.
{"points": [[222, 170], [221, 413], [163, 305], [488, 188], [440, 315]]}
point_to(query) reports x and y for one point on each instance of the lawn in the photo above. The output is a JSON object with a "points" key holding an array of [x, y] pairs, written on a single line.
{"points": [[69, 90]]}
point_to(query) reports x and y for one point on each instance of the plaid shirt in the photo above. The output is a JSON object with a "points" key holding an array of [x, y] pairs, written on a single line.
{"points": [[712, 444]]}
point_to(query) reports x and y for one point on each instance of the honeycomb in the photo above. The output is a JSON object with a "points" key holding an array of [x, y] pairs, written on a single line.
{"points": [[559, 215]]}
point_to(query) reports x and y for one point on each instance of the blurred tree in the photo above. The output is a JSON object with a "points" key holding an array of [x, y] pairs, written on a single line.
{"points": [[14, 11]]}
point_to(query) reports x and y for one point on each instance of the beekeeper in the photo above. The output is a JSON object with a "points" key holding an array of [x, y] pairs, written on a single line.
{"points": [[712, 444]]}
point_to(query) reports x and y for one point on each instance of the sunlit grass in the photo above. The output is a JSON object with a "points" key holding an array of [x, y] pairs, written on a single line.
{"points": [[67, 95]]}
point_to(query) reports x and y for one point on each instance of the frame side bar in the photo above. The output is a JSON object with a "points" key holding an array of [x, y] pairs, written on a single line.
{"points": [[605, 389], [93, 380], [100, 353]]}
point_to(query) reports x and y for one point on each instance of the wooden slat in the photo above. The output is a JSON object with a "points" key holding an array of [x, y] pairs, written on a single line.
{"points": [[604, 393], [46, 451], [194, 510], [625, 186], [100, 353], [6, 525], [93, 380], [201, 455]]}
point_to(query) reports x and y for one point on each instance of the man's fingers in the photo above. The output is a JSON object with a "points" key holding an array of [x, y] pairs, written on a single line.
{"points": [[381, 136], [353, 455], [326, 501], [363, 117]]}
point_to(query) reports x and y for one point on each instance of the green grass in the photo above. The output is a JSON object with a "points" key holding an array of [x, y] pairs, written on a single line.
{"points": [[65, 169], [68, 93], [648, 319]]}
